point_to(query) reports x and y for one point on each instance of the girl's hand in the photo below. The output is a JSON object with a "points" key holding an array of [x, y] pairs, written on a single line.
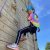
{"points": [[38, 29]]}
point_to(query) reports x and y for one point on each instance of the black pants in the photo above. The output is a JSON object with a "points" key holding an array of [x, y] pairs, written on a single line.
{"points": [[32, 29]]}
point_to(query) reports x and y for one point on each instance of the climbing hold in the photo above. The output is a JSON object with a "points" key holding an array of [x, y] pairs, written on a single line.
{"points": [[16, 48]]}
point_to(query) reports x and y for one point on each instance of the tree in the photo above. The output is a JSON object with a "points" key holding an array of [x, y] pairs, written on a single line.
{"points": [[48, 46]]}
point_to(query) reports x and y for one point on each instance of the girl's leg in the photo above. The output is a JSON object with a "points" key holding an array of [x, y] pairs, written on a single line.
{"points": [[18, 36], [34, 29], [20, 32], [15, 45]]}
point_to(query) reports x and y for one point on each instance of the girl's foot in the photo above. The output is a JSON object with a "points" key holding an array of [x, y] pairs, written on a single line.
{"points": [[12, 46]]}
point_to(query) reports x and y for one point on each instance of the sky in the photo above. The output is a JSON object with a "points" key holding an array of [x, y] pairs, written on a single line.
{"points": [[42, 8]]}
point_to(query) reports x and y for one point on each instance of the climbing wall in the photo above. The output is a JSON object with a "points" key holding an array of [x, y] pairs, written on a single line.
{"points": [[13, 17], [8, 23]]}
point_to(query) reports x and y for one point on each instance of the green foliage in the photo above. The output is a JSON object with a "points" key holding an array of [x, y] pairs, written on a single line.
{"points": [[47, 46]]}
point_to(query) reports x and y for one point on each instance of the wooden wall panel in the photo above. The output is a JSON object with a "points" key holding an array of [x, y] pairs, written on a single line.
{"points": [[3, 46], [7, 22], [23, 14], [12, 20], [7, 29], [6, 37]]}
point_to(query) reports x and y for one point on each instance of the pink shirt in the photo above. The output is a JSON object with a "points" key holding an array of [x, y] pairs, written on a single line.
{"points": [[33, 19]]}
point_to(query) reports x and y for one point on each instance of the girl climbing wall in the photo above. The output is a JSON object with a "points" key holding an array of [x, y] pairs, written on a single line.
{"points": [[34, 24]]}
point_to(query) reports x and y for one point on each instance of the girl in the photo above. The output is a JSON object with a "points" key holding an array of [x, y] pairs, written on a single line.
{"points": [[34, 24]]}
